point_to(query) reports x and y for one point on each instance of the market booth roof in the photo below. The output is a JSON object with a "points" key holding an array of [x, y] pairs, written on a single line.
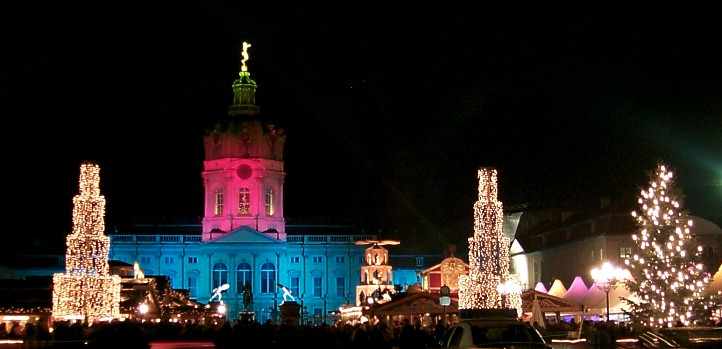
{"points": [[415, 303], [547, 303]]}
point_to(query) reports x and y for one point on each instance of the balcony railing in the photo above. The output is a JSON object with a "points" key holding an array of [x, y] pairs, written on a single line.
{"points": [[327, 239], [152, 239], [184, 239]]}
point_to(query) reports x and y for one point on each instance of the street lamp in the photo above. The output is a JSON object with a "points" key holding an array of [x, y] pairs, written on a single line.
{"points": [[444, 298], [221, 309], [143, 308], [607, 278], [506, 288]]}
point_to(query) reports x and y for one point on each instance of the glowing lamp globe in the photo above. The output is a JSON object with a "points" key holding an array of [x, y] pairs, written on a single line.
{"points": [[143, 308]]}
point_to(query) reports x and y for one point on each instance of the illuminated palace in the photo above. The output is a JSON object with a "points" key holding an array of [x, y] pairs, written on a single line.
{"points": [[243, 239]]}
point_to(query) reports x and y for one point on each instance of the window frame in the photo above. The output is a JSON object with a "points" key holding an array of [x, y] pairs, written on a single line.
{"points": [[625, 252], [244, 207], [317, 289], [268, 201], [340, 287], [192, 286], [268, 278], [246, 274], [218, 198], [296, 289], [218, 274]]}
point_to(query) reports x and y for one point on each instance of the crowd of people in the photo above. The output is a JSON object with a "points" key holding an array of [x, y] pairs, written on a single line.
{"points": [[132, 334], [404, 335], [382, 335]]}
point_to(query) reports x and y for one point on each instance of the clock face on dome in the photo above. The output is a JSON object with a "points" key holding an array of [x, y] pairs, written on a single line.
{"points": [[244, 172]]}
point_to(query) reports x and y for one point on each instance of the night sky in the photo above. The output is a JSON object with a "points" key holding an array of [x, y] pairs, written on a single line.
{"points": [[388, 113]]}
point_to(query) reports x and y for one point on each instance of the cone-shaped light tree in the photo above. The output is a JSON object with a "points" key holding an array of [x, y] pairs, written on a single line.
{"points": [[488, 285], [666, 266], [86, 290]]}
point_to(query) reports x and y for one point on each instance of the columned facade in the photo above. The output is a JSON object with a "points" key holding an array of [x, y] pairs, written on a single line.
{"points": [[321, 270]]}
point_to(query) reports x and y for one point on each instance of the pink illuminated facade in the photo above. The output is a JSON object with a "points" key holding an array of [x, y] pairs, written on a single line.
{"points": [[243, 192]]}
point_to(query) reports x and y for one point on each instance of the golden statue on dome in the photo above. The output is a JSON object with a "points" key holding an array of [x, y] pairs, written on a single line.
{"points": [[244, 54]]}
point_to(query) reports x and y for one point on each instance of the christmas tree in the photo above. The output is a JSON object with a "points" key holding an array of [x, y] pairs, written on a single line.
{"points": [[488, 285], [86, 290], [667, 270]]}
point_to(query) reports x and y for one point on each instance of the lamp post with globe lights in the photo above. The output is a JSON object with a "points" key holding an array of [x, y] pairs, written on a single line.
{"points": [[607, 277], [143, 310]]}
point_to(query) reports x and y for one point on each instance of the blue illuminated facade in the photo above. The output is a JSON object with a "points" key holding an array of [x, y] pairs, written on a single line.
{"points": [[322, 270]]}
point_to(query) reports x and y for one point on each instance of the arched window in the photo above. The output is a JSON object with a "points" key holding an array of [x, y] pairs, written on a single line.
{"points": [[171, 274], [218, 203], [269, 201], [268, 278], [220, 274], [244, 202], [244, 277], [192, 285]]}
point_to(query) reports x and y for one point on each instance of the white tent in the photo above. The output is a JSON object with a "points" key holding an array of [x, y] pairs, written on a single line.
{"points": [[540, 287], [596, 300], [557, 289], [577, 291], [616, 304]]}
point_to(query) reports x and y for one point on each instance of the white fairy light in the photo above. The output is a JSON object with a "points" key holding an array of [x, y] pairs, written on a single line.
{"points": [[488, 252], [86, 289], [670, 274]]}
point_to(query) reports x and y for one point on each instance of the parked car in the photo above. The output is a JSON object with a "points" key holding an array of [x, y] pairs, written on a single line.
{"points": [[682, 337], [501, 333]]}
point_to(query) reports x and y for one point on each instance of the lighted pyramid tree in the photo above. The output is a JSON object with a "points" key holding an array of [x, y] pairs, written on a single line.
{"points": [[667, 270], [488, 285], [86, 290]]}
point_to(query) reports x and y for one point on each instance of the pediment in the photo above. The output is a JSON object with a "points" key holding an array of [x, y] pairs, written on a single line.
{"points": [[245, 234]]}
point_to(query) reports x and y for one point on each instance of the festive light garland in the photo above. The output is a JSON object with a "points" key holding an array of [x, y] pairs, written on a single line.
{"points": [[668, 275], [488, 254], [86, 290]]}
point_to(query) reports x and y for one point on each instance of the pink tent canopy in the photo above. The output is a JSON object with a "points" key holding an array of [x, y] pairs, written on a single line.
{"points": [[577, 291], [540, 287], [595, 298]]}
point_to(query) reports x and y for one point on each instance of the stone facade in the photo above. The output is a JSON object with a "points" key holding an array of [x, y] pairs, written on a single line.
{"points": [[320, 270]]}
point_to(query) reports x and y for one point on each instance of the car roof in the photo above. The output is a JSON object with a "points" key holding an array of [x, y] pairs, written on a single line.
{"points": [[491, 322]]}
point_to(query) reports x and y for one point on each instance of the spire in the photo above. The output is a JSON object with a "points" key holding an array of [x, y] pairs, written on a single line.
{"points": [[244, 88]]}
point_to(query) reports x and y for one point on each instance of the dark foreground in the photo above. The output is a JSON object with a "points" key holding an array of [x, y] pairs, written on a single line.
{"points": [[168, 335]]}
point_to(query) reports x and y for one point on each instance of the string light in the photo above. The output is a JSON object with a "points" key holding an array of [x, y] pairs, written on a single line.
{"points": [[86, 290], [488, 253], [667, 276]]}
